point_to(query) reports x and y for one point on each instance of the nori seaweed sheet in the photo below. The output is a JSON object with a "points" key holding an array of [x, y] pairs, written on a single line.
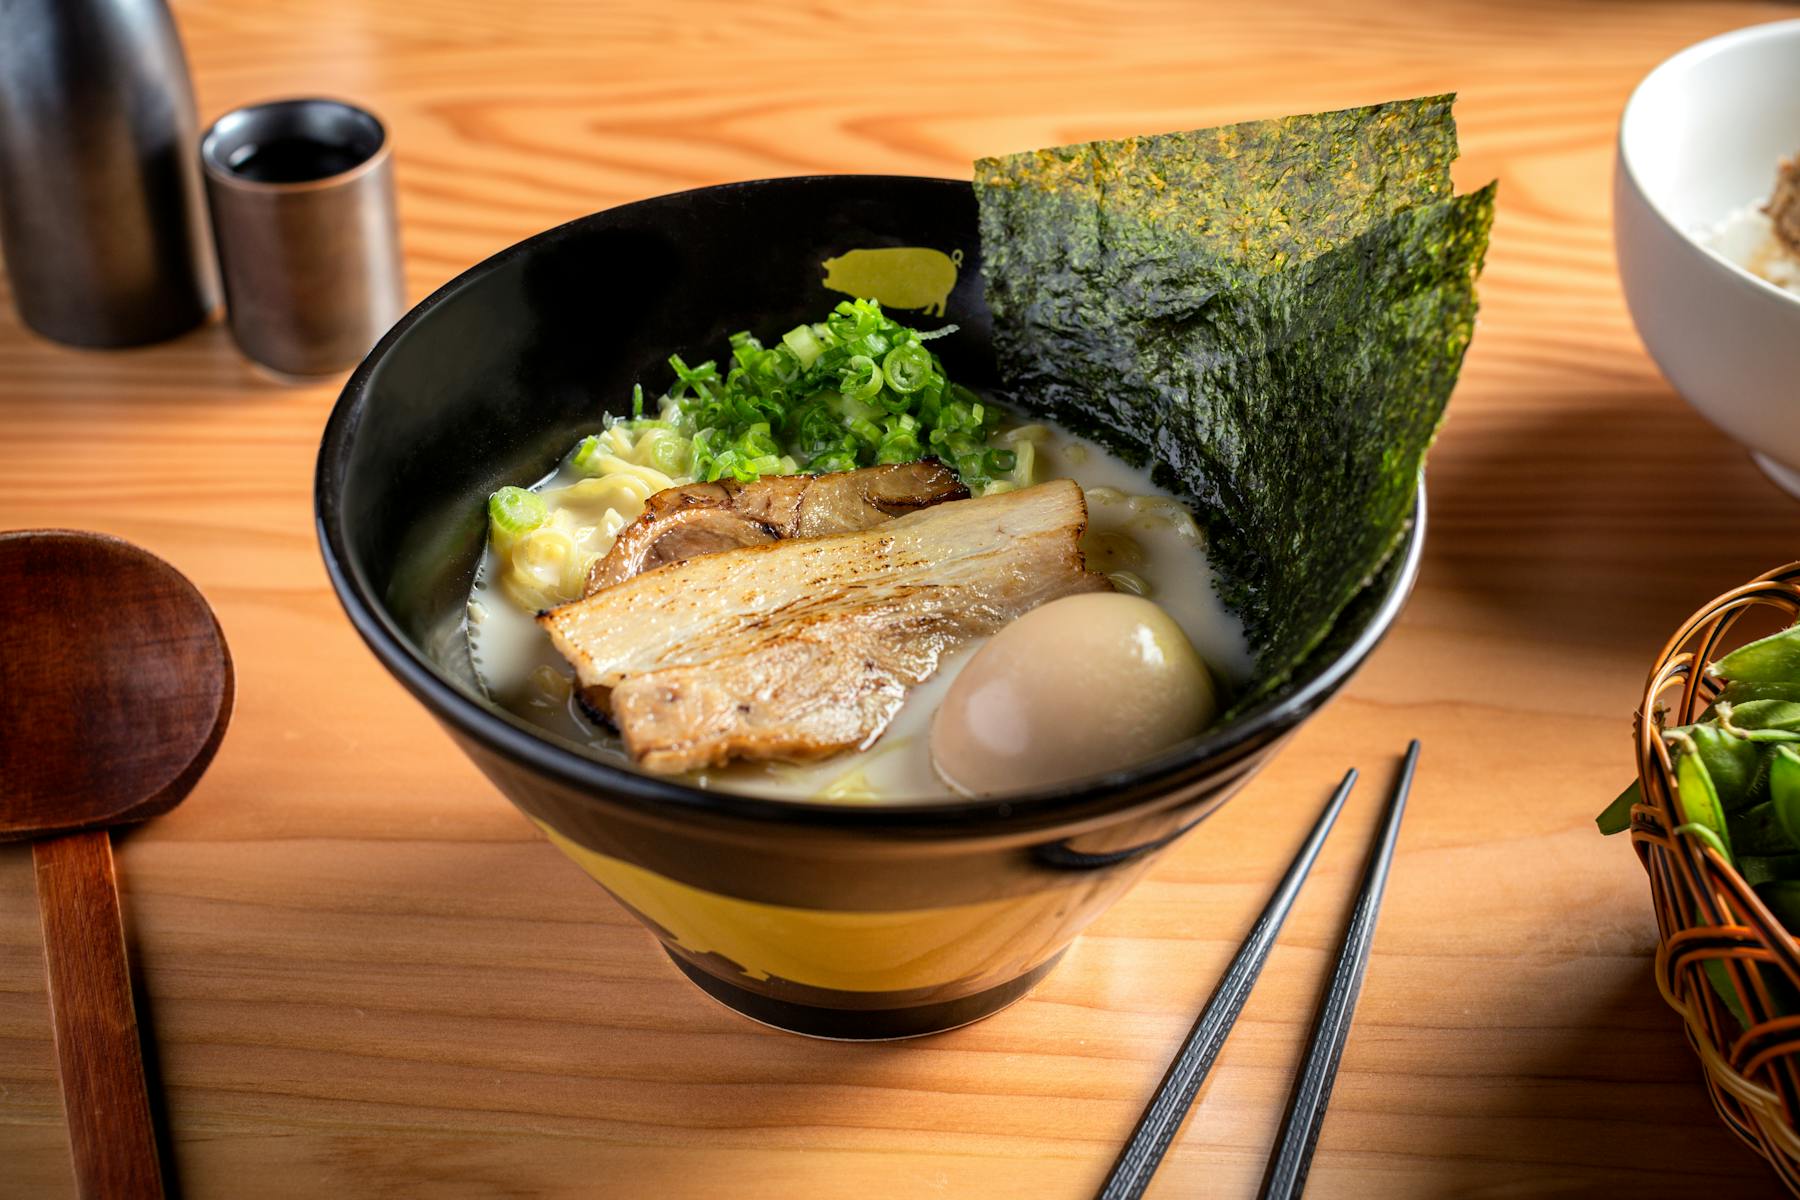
{"points": [[1274, 313]]}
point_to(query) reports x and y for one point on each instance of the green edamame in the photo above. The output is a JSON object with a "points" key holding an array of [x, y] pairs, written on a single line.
{"points": [[1740, 693], [1721, 984], [1761, 720], [1757, 868], [1733, 763], [1783, 898], [1698, 801], [1761, 829], [1784, 788], [1774, 659], [1737, 775], [1617, 817]]}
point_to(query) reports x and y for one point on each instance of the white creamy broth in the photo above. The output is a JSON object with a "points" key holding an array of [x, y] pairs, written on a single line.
{"points": [[1129, 530]]}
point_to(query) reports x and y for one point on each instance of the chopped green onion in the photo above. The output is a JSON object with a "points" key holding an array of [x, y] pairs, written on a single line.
{"points": [[804, 344], [515, 511], [907, 368], [852, 390], [862, 378], [670, 455], [586, 458]]}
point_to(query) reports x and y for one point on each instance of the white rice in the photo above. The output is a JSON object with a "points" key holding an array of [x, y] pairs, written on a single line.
{"points": [[1747, 238]]}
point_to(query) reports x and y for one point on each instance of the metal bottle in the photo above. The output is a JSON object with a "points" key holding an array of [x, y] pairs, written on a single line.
{"points": [[102, 221]]}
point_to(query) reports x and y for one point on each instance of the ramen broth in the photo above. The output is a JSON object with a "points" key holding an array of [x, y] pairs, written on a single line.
{"points": [[1134, 535]]}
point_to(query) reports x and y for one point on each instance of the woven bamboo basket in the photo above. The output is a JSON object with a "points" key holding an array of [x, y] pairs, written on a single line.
{"points": [[1707, 912]]}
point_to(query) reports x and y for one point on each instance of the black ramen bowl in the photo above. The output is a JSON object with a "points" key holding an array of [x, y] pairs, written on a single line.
{"points": [[872, 921]]}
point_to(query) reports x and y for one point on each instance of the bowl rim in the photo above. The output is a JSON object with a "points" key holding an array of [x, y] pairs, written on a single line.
{"points": [[599, 781], [1746, 280]]}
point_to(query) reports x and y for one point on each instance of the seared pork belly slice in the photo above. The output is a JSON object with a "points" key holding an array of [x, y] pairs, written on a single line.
{"points": [[798, 649], [684, 522], [821, 689]]}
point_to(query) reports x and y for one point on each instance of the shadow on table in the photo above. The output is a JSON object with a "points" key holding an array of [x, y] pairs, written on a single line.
{"points": [[1609, 1102], [1600, 521]]}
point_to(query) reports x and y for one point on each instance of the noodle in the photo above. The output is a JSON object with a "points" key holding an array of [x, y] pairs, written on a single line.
{"points": [[549, 566]]}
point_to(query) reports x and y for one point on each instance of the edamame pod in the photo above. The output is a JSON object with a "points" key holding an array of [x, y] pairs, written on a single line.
{"points": [[1762, 720], [1758, 869], [1721, 984], [1698, 801], [1733, 765], [1762, 829], [1783, 898], [1784, 788], [1739, 693], [1617, 817], [1774, 659]]}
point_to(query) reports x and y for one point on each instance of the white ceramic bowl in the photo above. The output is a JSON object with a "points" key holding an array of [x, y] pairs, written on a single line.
{"points": [[1700, 138]]}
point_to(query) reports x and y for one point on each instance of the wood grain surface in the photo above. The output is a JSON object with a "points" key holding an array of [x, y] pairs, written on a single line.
{"points": [[365, 974]]}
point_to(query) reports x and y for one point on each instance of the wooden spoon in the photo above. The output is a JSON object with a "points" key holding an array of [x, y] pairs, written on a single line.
{"points": [[115, 688]]}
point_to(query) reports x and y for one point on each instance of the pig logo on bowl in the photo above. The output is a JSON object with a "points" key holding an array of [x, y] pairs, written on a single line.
{"points": [[898, 276]]}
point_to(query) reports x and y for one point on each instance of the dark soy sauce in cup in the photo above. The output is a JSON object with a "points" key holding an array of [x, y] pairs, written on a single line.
{"points": [[293, 160], [302, 200]]}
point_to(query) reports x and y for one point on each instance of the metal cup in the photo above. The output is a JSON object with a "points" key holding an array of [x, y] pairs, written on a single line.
{"points": [[302, 199]]}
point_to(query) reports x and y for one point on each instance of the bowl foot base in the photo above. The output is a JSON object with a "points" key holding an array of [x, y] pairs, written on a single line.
{"points": [[865, 1024]]}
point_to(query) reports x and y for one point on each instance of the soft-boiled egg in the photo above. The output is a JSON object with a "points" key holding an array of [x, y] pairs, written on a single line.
{"points": [[1082, 685]]}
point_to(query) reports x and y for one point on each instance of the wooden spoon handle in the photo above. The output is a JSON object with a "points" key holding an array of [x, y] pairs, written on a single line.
{"points": [[104, 1095]]}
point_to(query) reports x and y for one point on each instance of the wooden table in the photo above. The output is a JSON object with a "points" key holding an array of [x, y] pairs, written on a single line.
{"points": [[366, 974]]}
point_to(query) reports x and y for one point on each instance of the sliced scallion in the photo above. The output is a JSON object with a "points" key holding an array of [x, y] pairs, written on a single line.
{"points": [[516, 511]]}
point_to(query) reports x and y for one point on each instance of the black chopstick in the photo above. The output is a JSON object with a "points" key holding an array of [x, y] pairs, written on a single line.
{"points": [[1137, 1162], [1286, 1175]]}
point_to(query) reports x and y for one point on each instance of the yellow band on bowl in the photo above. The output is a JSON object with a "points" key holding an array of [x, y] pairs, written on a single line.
{"points": [[990, 941]]}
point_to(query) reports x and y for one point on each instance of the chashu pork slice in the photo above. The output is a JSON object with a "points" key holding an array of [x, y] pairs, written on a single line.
{"points": [[799, 649], [683, 522]]}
